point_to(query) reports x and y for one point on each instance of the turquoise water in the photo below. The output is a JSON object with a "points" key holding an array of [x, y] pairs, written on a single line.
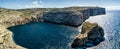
{"points": [[53, 36], [44, 35]]}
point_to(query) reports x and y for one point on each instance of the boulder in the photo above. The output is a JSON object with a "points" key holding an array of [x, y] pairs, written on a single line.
{"points": [[1, 40], [91, 35]]}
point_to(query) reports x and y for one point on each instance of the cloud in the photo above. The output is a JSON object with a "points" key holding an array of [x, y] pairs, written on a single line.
{"points": [[34, 4]]}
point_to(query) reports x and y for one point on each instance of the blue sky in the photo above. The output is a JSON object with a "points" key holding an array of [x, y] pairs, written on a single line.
{"points": [[18, 4]]}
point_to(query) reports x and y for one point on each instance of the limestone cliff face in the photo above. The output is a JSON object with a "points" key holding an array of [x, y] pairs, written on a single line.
{"points": [[69, 16], [74, 18]]}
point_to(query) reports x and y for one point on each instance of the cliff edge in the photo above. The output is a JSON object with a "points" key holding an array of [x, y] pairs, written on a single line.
{"points": [[73, 16]]}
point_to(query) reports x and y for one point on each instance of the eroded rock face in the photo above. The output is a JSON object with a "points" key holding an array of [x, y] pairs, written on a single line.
{"points": [[73, 18], [6, 41], [91, 35]]}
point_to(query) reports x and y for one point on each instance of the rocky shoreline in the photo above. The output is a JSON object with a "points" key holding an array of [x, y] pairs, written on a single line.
{"points": [[92, 34], [73, 16]]}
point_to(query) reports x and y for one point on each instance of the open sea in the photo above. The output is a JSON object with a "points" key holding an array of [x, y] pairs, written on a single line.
{"points": [[53, 36]]}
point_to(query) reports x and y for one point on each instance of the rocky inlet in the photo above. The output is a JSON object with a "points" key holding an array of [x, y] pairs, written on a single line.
{"points": [[73, 16]]}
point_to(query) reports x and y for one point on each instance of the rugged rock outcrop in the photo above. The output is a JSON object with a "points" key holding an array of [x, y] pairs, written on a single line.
{"points": [[6, 41], [91, 35]]}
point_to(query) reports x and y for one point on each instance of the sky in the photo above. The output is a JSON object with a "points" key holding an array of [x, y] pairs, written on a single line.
{"points": [[20, 4]]}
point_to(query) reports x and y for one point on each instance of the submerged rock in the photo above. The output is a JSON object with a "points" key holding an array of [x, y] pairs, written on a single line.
{"points": [[91, 35]]}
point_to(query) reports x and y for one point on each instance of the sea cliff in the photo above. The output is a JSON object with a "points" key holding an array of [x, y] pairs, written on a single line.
{"points": [[73, 16]]}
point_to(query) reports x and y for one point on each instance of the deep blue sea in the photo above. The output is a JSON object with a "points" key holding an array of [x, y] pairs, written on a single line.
{"points": [[53, 36]]}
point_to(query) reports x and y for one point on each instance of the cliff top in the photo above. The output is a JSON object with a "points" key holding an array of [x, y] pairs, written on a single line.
{"points": [[27, 12], [15, 14], [73, 8]]}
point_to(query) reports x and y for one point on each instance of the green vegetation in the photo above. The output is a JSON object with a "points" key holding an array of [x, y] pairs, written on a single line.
{"points": [[28, 12], [87, 26], [16, 15]]}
